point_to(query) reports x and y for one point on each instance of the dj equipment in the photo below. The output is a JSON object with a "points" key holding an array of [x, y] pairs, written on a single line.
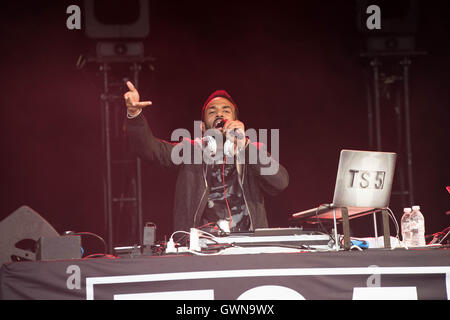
{"points": [[363, 183], [364, 179], [363, 186], [59, 248], [149, 234], [148, 238], [295, 238]]}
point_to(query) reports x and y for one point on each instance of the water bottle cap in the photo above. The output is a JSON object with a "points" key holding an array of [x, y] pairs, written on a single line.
{"points": [[407, 210], [416, 208]]}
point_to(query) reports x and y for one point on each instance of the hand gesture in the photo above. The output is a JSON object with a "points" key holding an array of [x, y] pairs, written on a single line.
{"points": [[132, 100]]}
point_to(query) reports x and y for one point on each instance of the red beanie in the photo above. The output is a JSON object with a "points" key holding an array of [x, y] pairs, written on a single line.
{"points": [[222, 94]]}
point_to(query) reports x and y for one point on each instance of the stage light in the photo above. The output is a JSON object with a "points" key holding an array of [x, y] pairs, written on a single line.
{"points": [[390, 43], [399, 21], [118, 51], [116, 19]]}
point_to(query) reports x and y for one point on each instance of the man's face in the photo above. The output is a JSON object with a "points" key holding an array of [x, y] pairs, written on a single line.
{"points": [[218, 108]]}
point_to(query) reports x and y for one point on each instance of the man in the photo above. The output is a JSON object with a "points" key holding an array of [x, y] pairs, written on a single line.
{"points": [[223, 194]]}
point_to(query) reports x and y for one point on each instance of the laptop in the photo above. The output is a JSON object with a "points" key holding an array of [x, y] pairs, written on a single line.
{"points": [[363, 184]]}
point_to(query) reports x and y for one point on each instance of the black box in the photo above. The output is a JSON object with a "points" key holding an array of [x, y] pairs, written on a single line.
{"points": [[59, 248]]}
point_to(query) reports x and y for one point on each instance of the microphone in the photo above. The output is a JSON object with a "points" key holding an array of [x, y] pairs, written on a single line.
{"points": [[221, 123]]}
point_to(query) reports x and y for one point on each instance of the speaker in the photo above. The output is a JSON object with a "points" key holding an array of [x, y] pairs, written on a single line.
{"points": [[105, 19], [400, 17], [19, 234], [58, 248]]}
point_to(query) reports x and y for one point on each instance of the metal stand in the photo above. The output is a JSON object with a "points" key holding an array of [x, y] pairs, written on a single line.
{"points": [[115, 167], [336, 236], [381, 82], [386, 229]]}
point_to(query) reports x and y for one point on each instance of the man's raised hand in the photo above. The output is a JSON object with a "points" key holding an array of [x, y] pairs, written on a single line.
{"points": [[132, 100]]}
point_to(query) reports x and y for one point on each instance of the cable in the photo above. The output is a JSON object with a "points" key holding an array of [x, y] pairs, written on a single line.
{"points": [[182, 238], [100, 255], [180, 231], [84, 233], [205, 225], [320, 222], [392, 216], [256, 245], [205, 254], [207, 233], [225, 192], [443, 234], [202, 234]]}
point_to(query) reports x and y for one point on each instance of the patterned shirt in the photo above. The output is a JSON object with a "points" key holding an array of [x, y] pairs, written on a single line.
{"points": [[217, 208]]}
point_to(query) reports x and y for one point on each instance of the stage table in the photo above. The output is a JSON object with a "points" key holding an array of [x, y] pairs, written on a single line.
{"points": [[370, 274]]}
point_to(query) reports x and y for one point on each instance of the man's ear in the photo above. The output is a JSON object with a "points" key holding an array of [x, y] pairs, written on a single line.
{"points": [[236, 114], [203, 127]]}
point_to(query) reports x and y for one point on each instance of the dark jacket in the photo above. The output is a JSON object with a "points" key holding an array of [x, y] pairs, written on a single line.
{"points": [[191, 191]]}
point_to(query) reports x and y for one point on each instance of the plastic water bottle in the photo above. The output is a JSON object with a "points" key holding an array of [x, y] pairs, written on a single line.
{"points": [[406, 227], [417, 222]]}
